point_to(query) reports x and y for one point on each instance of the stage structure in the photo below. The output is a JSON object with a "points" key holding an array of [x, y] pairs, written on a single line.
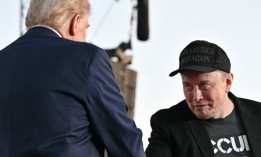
{"points": [[24, 4]]}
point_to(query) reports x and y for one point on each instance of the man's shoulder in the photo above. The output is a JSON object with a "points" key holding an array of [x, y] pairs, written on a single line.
{"points": [[245, 101], [253, 105], [251, 102], [246, 105], [81, 48], [81, 45], [177, 112]]}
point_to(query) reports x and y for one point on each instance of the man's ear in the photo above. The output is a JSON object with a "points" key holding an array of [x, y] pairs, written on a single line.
{"points": [[229, 81], [74, 25]]}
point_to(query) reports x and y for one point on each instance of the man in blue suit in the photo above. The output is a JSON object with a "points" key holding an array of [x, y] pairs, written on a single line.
{"points": [[58, 95]]}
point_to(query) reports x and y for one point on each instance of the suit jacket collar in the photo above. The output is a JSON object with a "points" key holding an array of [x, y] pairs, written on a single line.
{"points": [[42, 30], [200, 134]]}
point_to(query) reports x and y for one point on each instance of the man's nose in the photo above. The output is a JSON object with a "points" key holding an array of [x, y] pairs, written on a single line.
{"points": [[197, 94]]}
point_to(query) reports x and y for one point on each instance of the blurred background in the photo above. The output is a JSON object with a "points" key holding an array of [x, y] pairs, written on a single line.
{"points": [[234, 25]]}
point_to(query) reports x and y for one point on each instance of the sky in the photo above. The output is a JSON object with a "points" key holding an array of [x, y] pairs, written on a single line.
{"points": [[234, 25]]}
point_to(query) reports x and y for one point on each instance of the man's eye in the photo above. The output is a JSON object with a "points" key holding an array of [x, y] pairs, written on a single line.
{"points": [[187, 86], [205, 86]]}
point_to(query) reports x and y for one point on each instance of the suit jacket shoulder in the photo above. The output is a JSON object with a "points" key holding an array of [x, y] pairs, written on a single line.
{"points": [[176, 113]]}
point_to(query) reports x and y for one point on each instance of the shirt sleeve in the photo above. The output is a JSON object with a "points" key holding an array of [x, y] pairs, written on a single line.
{"points": [[159, 145]]}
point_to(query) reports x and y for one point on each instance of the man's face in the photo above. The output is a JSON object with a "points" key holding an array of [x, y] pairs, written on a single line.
{"points": [[206, 93]]}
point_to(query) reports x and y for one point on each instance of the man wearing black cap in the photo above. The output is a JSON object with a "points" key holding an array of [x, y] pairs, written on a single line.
{"points": [[211, 121]]}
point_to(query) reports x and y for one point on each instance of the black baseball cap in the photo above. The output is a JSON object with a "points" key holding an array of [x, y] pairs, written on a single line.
{"points": [[202, 56]]}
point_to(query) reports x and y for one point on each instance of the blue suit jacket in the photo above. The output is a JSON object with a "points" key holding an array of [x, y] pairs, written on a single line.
{"points": [[58, 98]]}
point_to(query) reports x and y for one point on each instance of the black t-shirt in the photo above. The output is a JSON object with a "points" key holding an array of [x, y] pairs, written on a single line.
{"points": [[228, 137]]}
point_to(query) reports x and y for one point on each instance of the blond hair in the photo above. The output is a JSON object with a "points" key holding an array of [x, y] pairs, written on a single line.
{"points": [[55, 13]]}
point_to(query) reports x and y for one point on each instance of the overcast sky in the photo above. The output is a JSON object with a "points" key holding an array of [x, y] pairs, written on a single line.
{"points": [[234, 25]]}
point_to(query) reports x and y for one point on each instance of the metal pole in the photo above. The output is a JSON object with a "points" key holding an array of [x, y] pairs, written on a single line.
{"points": [[21, 17]]}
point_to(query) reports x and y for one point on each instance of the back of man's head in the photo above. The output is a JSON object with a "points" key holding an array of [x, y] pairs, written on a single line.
{"points": [[55, 13]]}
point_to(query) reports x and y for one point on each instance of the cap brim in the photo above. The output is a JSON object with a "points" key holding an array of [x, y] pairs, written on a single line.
{"points": [[173, 73], [194, 68]]}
